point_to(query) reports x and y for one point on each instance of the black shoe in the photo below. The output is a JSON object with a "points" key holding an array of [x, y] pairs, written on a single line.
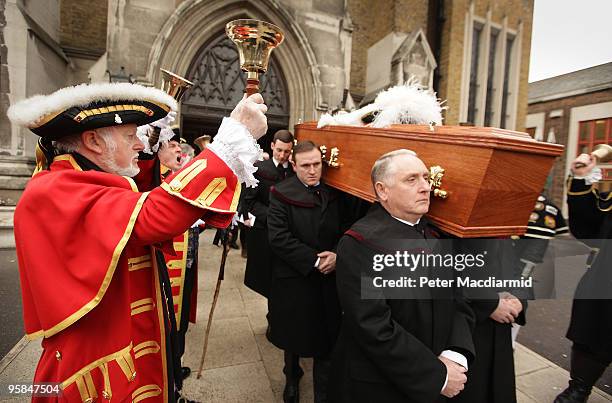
{"points": [[234, 246], [185, 372], [576, 392], [291, 394]]}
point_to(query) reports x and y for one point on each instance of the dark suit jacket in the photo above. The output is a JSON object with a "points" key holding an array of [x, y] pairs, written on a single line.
{"points": [[387, 348], [258, 273], [256, 200]]}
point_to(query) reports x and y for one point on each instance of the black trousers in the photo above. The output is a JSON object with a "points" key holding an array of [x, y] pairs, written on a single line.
{"points": [[586, 366], [320, 374]]}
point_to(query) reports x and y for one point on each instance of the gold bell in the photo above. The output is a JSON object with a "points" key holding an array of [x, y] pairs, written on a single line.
{"points": [[174, 85]]}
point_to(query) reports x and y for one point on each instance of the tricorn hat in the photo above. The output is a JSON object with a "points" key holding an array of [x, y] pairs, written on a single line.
{"points": [[90, 106], [176, 129]]}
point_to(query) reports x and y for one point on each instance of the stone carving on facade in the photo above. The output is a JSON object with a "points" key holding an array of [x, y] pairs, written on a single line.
{"points": [[413, 58]]}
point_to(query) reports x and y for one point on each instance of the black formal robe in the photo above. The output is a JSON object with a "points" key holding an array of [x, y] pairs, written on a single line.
{"points": [[303, 304], [388, 349], [590, 219], [491, 377], [258, 273]]}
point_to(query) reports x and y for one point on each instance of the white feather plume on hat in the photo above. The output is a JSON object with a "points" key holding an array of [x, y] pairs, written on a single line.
{"points": [[28, 112], [409, 103]]}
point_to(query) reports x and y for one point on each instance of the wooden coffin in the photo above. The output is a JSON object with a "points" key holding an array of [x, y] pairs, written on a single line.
{"points": [[492, 176]]}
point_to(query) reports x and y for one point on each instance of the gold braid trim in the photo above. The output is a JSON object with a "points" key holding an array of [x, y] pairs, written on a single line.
{"points": [[81, 373], [581, 193], [105, 283]]}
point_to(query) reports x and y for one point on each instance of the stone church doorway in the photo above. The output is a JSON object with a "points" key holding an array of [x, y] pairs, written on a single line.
{"points": [[219, 85]]}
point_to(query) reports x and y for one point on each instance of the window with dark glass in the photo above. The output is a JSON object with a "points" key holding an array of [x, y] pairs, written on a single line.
{"points": [[472, 109], [506, 90], [491, 90]]}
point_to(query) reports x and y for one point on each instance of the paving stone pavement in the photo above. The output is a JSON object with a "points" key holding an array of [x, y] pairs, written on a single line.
{"points": [[242, 366]]}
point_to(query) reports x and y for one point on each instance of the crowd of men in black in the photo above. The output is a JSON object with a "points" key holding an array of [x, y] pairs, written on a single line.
{"points": [[310, 249]]}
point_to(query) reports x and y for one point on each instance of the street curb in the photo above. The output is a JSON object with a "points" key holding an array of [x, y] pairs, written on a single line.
{"points": [[11, 355]]}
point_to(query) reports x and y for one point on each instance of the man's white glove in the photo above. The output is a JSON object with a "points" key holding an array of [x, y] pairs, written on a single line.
{"points": [[251, 113]]}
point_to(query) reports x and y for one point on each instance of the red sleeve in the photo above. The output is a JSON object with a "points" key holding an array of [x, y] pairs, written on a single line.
{"points": [[206, 188]]}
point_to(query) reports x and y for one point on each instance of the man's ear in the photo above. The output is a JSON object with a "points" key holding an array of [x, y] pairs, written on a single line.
{"points": [[93, 142], [381, 191], [272, 146], [293, 164]]}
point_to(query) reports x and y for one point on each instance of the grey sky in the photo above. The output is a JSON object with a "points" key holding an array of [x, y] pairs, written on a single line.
{"points": [[569, 35]]}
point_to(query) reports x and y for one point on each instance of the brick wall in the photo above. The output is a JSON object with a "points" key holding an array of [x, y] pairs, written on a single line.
{"points": [[83, 26], [451, 58], [372, 20], [375, 19], [561, 127]]}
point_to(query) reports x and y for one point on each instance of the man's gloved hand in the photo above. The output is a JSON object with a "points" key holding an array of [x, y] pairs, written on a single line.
{"points": [[251, 113]]}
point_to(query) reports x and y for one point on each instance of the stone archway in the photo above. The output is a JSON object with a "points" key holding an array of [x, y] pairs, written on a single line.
{"points": [[196, 22]]}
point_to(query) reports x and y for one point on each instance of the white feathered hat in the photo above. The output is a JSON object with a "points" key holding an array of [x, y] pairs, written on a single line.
{"points": [[90, 106]]}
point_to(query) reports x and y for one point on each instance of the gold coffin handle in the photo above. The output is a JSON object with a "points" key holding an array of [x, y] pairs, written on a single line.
{"points": [[436, 173], [334, 156]]}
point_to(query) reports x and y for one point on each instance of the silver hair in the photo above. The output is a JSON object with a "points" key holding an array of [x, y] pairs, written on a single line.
{"points": [[72, 142], [383, 167], [68, 144], [107, 134]]}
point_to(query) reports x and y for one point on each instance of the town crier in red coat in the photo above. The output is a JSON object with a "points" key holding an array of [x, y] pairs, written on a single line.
{"points": [[85, 234]]}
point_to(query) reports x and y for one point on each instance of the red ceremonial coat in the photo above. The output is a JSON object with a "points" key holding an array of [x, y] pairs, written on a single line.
{"points": [[151, 173], [88, 277]]}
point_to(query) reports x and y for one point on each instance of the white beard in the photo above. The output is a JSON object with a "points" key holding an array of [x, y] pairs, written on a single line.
{"points": [[130, 171], [112, 167], [111, 164]]}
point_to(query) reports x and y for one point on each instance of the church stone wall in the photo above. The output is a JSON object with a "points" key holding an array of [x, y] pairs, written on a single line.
{"points": [[83, 27]]}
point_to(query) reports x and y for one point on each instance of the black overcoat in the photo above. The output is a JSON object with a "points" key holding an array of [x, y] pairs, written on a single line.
{"points": [[303, 303], [590, 219], [491, 377], [387, 350], [258, 273]]}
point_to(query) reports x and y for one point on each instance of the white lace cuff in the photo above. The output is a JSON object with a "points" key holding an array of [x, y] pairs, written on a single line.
{"points": [[238, 149], [593, 177]]}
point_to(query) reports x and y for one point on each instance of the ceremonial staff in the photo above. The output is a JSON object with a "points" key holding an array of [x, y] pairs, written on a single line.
{"points": [[255, 40]]}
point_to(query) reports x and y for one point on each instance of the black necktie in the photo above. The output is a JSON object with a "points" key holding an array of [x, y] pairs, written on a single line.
{"points": [[282, 172], [318, 193], [420, 227]]}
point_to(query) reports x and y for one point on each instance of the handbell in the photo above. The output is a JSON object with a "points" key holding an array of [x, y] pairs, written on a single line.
{"points": [[255, 40], [174, 85], [202, 141], [601, 152]]}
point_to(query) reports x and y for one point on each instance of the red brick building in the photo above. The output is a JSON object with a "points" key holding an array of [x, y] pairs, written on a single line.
{"points": [[575, 110]]}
